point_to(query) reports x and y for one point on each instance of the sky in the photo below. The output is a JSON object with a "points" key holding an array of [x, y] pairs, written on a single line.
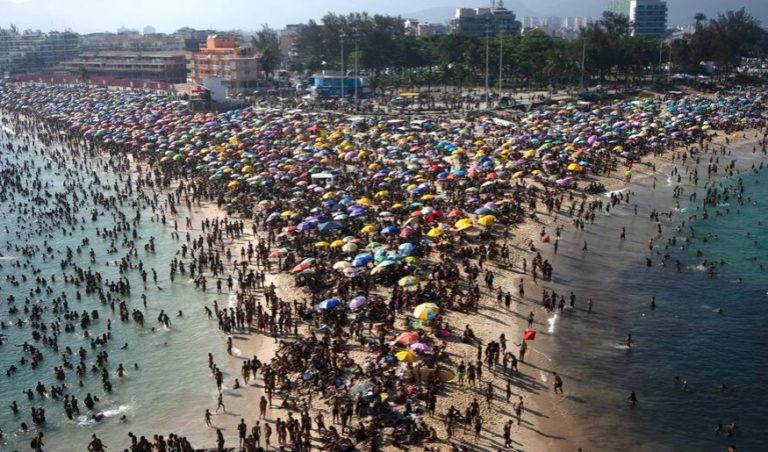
{"points": [[87, 16]]}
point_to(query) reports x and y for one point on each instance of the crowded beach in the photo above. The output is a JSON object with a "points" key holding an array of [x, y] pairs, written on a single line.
{"points": [[353, 247]]}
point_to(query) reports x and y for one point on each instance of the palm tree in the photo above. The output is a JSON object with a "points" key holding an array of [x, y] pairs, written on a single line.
{"points": [[699, 18]]}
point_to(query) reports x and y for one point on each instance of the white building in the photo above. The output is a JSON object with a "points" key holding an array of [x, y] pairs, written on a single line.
{"points": [[648, 18]]}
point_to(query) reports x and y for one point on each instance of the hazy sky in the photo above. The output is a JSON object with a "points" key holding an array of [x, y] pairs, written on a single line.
{"points": [[168, 15]]}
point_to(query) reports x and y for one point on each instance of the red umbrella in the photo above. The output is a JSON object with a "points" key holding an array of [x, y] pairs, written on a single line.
{"points": [[300, 268], [455, 213], [529, 335]]}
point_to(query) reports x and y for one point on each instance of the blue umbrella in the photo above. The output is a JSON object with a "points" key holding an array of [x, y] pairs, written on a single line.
{"points": [[389, 230], [361, 260], [324, 228], [483, 211], [328, 304], [305, 226], [406, 249]]}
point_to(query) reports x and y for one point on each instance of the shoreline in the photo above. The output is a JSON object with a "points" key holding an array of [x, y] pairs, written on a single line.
{"points": [[576, 260]]}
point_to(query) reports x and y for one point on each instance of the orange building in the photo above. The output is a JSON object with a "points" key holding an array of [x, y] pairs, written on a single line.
{"points": [[223, 62]]}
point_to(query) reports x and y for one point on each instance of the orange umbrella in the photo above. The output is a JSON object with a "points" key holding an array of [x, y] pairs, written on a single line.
{"points": [[407, 338]]}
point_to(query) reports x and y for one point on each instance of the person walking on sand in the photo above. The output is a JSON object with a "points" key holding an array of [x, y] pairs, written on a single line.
{"points": [[558, 384], [519, 406], [220, 403], [208, 418]]}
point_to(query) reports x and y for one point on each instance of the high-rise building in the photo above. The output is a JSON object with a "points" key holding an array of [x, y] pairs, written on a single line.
{"points": [[648, 18], [482, 22], [618, 7]]}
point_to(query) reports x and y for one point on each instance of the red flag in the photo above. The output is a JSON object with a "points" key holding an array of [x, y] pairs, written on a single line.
{"points": [[529, 335]]}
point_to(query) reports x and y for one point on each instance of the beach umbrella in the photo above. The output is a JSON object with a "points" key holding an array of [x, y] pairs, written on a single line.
{"points": [[349, 248], [357, 302], [408, 281], [324, 228], [361, 260], [389, 230], [426, 311], [407, 356], [337, 243], [529, 335], [487, 220], [322, 244], [435, 232], [407, 233], [407, 338], [406, 249], [455, 213], [341, 265], [463, 224], [300, 268], [328, 304], [350, 272], [421, 347], [368, 229]]}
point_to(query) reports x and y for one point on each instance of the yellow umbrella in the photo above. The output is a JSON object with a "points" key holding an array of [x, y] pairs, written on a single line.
{"points": [[322, 244], [487, 220], [574, 167], [435, 232], [529, 154], [337, 243], [407, 356], [428, 197], [286, 214], [398, 205], [368, 229], [364, 201], [408, 281], [536, 172], [381, 194], [518, 175], [463, 224], [329, 195]]}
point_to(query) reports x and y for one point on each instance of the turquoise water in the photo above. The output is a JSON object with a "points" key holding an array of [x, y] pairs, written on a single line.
{"points": [[684, 336], [171, 388]]}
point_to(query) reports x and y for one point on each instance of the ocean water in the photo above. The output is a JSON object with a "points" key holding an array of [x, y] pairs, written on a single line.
{"points": [[685, 336], [171, 387]]}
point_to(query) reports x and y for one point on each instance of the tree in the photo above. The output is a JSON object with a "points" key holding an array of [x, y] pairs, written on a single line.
{"points": [[265, 41]]}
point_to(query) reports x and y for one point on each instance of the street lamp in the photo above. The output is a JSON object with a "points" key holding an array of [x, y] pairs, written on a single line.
{"points": [[357, 75], [501, 61], [341, 38], [487, 74]]}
